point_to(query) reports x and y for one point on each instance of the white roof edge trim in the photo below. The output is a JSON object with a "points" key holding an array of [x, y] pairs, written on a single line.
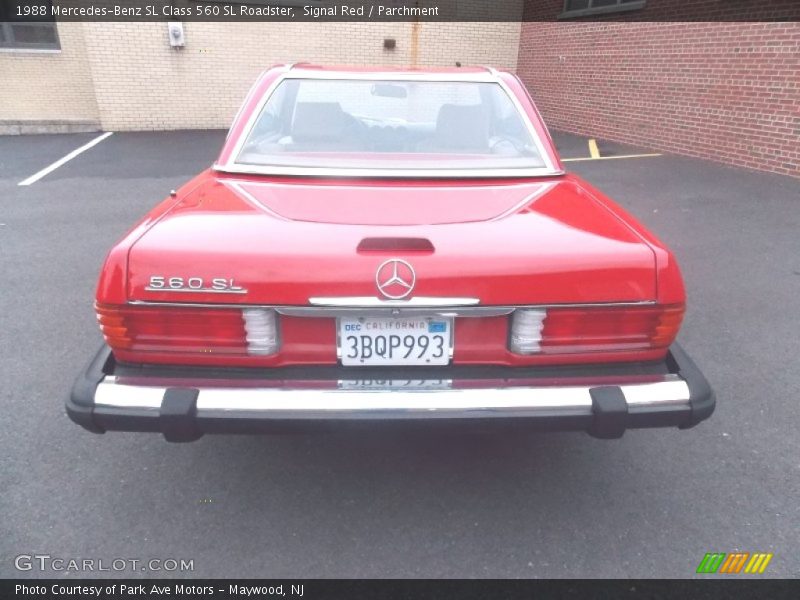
{"points": [[385, 173], [298, 72]]}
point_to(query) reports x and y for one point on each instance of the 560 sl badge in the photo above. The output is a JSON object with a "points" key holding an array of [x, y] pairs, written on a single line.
{"points": [[217, 285]]}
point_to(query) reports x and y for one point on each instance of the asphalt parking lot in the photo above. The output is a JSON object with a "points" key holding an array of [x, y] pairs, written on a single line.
{"points": [[416, 505]]}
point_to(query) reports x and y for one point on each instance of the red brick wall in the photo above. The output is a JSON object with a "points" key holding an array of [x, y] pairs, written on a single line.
{"points": [[723, 91], [679, 10]]}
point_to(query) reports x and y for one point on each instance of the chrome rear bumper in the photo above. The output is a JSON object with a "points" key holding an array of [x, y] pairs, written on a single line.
{"points": [[184, 408], [296, 403]]}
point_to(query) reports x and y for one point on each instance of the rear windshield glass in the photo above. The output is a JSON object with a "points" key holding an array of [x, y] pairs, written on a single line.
{"points": [[390, 124]]}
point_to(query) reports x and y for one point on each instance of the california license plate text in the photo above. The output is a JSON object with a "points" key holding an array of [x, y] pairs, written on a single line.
{"points": [[389, 341]]}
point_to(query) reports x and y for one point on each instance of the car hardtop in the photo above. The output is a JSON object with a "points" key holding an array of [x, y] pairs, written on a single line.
{"points": [[535, 156]]}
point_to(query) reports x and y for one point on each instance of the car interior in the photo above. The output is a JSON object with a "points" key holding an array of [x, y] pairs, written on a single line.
{"points": [[326, 127]]}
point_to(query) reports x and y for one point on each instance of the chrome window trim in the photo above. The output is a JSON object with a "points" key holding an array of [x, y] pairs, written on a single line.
{"points": [[232, 166], [385, 173], [247, 98]]}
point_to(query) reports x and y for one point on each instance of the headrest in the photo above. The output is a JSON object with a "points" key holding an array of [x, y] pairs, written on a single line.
{"points": [[462, 127], [318, 121]]}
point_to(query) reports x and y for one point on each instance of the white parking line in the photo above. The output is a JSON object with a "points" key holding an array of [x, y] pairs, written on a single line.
{"points": [[609, 157], [37, 176]]}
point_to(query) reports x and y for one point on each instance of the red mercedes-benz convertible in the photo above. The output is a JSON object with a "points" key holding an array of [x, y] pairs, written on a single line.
{"points": [[381, 247]]}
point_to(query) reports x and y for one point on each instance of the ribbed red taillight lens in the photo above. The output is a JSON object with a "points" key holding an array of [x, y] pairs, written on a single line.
{"points": [[594, 329], [189, 330]]}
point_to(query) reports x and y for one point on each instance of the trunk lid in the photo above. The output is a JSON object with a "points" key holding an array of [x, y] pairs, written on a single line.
{"points": [[511, 242]]}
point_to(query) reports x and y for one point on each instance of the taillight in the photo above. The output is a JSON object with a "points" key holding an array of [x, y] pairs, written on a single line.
{"points": [[189, 330], [262, 330], [526, 330], [594, 329]]}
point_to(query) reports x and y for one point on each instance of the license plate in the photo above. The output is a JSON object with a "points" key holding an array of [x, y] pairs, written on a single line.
{"points": [[395, 384], [369, 341]]}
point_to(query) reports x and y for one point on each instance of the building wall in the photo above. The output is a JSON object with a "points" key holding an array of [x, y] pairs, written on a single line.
{"points": [[723, 91], [126, 76], [142, 83], [678, 10], [40, 86]]}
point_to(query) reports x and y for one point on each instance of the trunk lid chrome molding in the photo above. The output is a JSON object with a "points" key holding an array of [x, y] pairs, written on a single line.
{"points": [[371, 306]]}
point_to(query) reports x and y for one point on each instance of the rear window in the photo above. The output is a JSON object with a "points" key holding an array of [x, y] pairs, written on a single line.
{"points": [[390, 124]]}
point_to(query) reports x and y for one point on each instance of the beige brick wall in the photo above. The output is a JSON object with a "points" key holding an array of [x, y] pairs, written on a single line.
{"points": [[143, 83], [127, 75], [37, 86], [494, 44]]}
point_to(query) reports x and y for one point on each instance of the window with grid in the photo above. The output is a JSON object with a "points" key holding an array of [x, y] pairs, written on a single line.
{"points": [[26, 33], [579, 8]]}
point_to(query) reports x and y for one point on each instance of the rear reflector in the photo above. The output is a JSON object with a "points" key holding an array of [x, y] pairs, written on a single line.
{"points": [[189, 331], [594, 329]]}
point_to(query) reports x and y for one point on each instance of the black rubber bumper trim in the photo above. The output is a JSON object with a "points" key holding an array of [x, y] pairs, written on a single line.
{"points": [[610, 411], [80, 404], [702, 400], [178, 415], [178, 420]]}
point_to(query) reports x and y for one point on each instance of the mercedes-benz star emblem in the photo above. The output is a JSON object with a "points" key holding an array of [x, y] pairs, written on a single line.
{"points": [[395, 279]]}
